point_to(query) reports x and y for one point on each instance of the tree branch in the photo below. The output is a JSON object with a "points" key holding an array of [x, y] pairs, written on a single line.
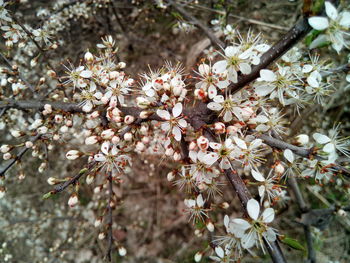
{"points": [[214, 40]]}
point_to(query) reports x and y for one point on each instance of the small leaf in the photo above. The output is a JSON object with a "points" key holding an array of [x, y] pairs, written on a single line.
{"points": [[82, 171], [293, 243], [48, 195]]}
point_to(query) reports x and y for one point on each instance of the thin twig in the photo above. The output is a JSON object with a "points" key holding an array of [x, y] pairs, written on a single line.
{"points": [[110, 219], [196, 22], [18, 156]]}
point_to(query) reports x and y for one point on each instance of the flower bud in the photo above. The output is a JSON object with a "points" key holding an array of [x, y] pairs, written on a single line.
{"points": [[91, 140], [169, 151], [145, 140], [2, 191], [342, 213], [16, 133], [122, 251], [140, 146], [42, 130], [192, 146], [48, 108], [73, 200], [115, 139], [121, 65], [144, 130], [98, 222], [5, 148], [128, 136], [177, 90], [279, 168], [219, 127], [101, 236], [129, 119], [170, 176], [107, 134], [89, 179], [58, 118], [177, 156], [210, 226], [28, 144], [88, 57], [52, 181], [73, 154], [232, 130], [142, 102], [145, 114], [224, 205], [7, 156], [198, 256]]}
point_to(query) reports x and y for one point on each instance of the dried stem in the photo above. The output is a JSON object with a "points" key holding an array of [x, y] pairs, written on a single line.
{"points": [[110, 219]]}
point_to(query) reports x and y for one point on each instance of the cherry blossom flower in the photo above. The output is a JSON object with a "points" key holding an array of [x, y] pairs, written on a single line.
{"points": [[267, 186], [223, 151], [232, 105], [174, 123], [201, 168], [196, 208], [250, 154], [255, 230], [235, 61], [334, 27], [278, 84], [333, 142], [210, 81], [110, 158]]}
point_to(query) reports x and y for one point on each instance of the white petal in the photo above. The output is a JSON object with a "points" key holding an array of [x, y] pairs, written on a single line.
{"points": [[177, 110], [214, 106], [245, 68], [220, 66], [210, 158], [227, 116], [264, 90], [288, 154], [219, 99], [345, 19], [253, 209], [204, 69], [177, 133], [320, 138], [307, 68], [212, 91], [86, 74], [215, 145], [255, 144], [268, 75], [226, 221], [220, 252], [318, 41], [331, 11], [200, 201], [268, 215], [258, 176], [163, 114], [240, 143], [318, 22], [105, 148], [329, 148], [241, 224], [182, 123], [190, 202], [99, 157], [230, 51]]}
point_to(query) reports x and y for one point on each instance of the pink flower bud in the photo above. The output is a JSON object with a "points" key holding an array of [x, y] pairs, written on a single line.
{"points": [[177, 156], [115, 139], [128, 136], [129, 119], [210, 226], [73, 200], [7, 156], [203, 143], [72, 154], [279, 168], [5, 148], [107, 134], [219, 127]]}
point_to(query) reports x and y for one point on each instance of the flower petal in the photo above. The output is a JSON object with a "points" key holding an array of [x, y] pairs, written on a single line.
{"points": [[177, 110], [268, 215], [320, 138], [331, 11], [267, 75], [253, 209], [288, 154], [258, 176], [318, 22]]}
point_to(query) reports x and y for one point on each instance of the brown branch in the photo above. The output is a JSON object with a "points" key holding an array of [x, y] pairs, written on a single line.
{"points": [[303, 152], [290, 39], [244, 195], [73, 180], [110, 219], [214, 40], [18, 156]]}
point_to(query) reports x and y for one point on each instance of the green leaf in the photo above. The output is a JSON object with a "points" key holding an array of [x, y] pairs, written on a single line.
{"points": [[82, 171], [48, 195], [293, 243]]}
